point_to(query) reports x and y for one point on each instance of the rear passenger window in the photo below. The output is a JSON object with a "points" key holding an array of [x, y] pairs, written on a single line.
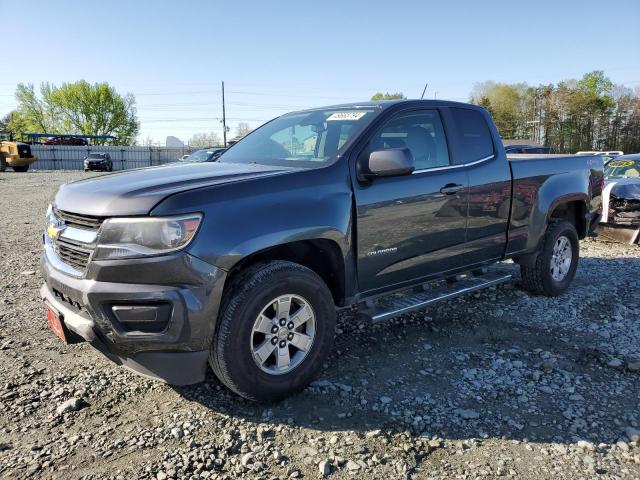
{"points": [[473, 135]]}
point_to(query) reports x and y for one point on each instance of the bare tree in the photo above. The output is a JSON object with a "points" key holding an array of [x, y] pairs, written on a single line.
{"points": [[211, 139], [242, 129]]}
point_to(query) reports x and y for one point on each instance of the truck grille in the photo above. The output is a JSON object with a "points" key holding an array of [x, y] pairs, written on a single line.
{"points": [[87, 222], [74, 253]]}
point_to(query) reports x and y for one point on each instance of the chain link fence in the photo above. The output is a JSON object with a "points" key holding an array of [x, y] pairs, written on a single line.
{"points": [[63, 157]]}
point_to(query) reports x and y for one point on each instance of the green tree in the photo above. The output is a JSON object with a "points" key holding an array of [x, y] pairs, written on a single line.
{"points": [[507, 105], [388, 96], [76, 108], [586, 114]]}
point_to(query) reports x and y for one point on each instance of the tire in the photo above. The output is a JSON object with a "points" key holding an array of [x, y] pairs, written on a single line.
{"points": [[545, 277], [21, 169], [3, 163], [251, 296]]}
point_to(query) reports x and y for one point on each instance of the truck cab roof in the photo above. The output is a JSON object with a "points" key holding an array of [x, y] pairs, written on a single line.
{"points": [[385, 104]]}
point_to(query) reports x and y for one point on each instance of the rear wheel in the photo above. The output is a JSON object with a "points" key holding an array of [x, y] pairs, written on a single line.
{"points": [[556, 263], [275, 329], [21, 169], [3, 163]]}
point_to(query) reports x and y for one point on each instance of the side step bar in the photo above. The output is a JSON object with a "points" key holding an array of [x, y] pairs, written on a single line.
{"points": [[395, 305]]}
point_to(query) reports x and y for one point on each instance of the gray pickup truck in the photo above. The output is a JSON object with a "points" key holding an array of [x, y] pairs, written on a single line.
{"points": [[241, 264]]}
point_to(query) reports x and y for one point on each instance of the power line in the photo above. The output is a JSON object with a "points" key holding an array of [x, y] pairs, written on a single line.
{"points": [[203, 119]]}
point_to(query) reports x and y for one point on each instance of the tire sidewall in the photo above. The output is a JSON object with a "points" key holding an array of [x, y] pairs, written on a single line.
{"points": [[233, 344], [551, 286]]}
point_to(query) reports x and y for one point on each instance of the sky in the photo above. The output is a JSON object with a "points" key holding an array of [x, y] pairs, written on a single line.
{"points": [[278, 56]]}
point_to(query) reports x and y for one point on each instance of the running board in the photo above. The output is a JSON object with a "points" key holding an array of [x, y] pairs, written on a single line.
{"points": [[386, 308]]}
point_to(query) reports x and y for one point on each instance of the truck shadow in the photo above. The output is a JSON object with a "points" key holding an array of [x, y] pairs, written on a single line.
{"points": [[495, 364]]}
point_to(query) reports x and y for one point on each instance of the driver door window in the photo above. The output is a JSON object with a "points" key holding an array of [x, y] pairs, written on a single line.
{"points": [[421, 132]]}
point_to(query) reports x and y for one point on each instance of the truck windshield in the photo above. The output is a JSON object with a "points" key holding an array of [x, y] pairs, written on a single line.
{"points": [[303, 139]]}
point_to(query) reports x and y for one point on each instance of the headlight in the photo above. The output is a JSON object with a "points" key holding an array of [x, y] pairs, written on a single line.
{"points": [[145, 236]]}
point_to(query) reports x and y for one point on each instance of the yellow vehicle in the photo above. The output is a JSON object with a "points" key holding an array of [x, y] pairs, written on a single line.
{"points": [[16, 155]]}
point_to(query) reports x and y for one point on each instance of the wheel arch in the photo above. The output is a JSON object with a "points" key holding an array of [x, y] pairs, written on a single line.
{"points": [[572, 208], [321, 255]]}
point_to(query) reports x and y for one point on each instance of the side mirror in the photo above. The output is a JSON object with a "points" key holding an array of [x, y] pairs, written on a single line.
{"points": [[390, 162]]}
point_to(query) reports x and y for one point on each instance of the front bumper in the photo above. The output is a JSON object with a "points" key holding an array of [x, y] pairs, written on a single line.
{"points": [[101, 167], [184, 288]]}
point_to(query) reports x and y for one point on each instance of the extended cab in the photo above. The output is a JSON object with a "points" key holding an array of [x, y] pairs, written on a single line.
{"points": [[241, 263]]}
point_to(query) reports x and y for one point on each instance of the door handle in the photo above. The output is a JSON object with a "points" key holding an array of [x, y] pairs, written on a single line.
{"points": [[451, 188]]}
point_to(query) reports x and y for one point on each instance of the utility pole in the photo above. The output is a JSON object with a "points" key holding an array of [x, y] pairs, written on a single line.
{"points": [[224, 119], [424, 91]]}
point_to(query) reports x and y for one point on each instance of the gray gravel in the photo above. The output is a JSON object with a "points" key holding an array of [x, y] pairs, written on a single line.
{"points": [[495, 384]]}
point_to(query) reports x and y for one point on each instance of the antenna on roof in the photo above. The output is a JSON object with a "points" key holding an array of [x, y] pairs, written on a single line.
{"points": [[424, 91]]}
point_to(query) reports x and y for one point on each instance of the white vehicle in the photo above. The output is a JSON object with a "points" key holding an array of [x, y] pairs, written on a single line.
{"points": [[621, 194]]}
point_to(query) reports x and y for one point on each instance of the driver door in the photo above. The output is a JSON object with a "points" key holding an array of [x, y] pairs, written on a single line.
{"points": [[412, 226]]}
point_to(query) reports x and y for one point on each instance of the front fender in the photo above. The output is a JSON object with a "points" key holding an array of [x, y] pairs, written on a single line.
{"points": [[245, 217]]}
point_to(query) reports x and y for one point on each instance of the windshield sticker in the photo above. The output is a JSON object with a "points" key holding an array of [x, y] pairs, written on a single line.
{"points": [[337, 116], [621, 163]]}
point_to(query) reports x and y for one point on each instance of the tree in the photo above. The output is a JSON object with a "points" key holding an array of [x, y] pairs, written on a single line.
{"points": [[211, 139], [4, 121], [586, 114], [242, 129], [505, 103], [388, 96], [76, 108], [13, 123]]}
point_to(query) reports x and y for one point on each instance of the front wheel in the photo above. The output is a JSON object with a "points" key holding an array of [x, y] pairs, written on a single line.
{"points": [[556, 263], [275, 329], [21, 169], [3, 163]]}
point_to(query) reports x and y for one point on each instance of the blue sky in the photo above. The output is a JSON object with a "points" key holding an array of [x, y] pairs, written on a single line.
{"points": [[276, 56]]}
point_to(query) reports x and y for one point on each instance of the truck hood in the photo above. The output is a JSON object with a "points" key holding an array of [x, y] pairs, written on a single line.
{"points": [[136, 192]]}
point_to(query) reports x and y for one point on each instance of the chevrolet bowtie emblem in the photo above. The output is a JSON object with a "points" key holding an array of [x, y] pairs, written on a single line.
{"points": [[53, 231]]}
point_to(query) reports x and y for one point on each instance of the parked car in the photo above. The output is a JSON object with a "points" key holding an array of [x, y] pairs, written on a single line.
{"points": [[241, 263], [528, 149], [621, 195], [72, 141], [204, 155], [98, 161]]}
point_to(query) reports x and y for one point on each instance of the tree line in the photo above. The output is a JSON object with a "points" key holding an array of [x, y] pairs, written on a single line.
{"points": [[591, 113], [74, 108]]}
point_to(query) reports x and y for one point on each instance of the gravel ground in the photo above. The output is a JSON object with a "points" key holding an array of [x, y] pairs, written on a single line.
{"points": [[495, 384]]}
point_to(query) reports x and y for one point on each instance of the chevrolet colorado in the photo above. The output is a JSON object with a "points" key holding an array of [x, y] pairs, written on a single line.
{"points": [[241, 263]]}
